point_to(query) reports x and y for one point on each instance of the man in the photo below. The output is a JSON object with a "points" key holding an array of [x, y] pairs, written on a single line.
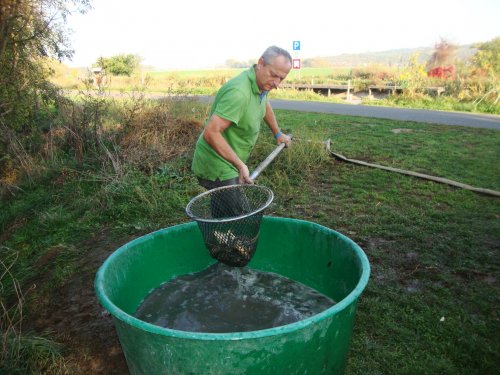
{"points": [[233, 125]]}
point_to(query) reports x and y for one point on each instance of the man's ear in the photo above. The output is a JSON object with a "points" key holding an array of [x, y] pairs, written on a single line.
{"points": [[260, 62]]}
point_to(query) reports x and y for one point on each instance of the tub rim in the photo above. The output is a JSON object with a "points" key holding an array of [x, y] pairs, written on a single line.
{"points": [[118, 313]]}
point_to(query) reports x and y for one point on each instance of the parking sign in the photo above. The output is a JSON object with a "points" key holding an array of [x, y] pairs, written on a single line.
{"points": [[296, 45]]}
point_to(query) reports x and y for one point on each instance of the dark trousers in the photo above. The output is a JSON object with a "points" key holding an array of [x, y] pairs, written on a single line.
{"points": [[226, 203], [209, 185]]}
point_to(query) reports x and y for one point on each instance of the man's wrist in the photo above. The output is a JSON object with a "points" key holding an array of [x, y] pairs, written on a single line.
{"points": [[278, 134]]}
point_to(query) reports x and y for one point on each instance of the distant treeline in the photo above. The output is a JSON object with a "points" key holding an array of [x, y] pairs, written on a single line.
{"points": [[397, 57]]}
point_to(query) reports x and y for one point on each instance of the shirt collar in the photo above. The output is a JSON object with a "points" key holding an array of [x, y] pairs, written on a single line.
{"points": [[253, 80], [262, 95]]}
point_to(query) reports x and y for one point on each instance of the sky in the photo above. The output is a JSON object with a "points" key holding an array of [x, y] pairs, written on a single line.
{"points": [[189, 34]]}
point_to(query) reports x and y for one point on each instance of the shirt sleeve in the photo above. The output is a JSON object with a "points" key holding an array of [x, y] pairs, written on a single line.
{"points": [[232, 105]]}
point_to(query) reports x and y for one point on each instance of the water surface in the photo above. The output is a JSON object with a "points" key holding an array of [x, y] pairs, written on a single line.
{"points": [[222, 299]]}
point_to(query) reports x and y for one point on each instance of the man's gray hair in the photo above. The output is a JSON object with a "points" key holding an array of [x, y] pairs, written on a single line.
{"points": [[272, 52]]}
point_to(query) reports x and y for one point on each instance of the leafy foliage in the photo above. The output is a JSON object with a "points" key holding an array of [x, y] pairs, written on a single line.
{"points": [[413, 77], [487, 58], [444, 53], [30, 31], [236, 64], [119, 65]]}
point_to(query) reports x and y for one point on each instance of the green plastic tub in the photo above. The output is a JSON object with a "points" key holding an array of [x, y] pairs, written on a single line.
{"points": [[303, 251]]}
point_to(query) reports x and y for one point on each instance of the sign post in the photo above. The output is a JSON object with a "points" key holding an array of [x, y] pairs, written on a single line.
{"points": [[296, 59]]}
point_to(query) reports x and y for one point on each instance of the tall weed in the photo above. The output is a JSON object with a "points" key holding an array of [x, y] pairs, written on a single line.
{"points": [[306, 156], [20, 352]]}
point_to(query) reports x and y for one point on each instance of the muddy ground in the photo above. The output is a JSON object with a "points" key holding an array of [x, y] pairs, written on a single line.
{"points": [[74, 317]]}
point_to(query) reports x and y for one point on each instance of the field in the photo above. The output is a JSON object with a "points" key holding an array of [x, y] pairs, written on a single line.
{"points": [[306, 73], [463, 94], [185, 81], [431, 305]]}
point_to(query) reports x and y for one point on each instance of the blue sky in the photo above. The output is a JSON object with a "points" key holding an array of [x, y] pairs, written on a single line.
{"points": [[191, 34]]}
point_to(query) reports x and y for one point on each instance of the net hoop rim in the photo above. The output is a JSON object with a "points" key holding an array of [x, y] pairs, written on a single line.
{"points": [[229, 219]]}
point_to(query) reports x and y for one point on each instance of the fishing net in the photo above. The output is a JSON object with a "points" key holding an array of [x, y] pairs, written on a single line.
{"points": [[229, 219]]}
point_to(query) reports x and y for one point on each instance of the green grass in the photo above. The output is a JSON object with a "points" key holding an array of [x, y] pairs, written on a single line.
{"points": [[441, 103], [456, 153], [431, 305], [305, 73], [31, 354], [196, 73]]}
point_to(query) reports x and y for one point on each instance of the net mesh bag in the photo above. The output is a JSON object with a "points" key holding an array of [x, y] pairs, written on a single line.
{"points": [[229, 219]]}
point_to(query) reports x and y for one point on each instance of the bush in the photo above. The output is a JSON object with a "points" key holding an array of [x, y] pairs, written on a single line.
{"points": [[119, 65], [32, 31], [375, 73]]}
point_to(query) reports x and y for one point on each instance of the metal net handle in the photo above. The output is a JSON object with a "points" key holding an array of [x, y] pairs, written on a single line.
{"points": [[267, 161]]}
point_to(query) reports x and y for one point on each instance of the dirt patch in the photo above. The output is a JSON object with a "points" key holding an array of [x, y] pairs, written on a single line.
{"points": [[402, 130], [76, 319], [11, 229]]}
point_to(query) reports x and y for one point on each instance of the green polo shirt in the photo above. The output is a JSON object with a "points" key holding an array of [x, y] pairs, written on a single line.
{"points": [[240, 102]]}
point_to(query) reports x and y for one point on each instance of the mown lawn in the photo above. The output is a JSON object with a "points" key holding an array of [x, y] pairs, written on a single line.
{"points": [[431, 306]]}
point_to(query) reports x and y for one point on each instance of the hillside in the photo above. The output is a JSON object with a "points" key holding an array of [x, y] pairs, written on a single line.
{"points": [[391, 57]]}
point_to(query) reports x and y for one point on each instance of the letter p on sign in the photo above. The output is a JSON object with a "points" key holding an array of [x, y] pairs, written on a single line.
{"points": [[296, 45]]}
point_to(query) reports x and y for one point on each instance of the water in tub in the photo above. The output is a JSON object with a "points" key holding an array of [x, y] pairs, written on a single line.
{"points": [[224, 299]]}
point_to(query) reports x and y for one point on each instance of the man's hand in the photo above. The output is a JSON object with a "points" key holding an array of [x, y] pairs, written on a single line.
{"points": [[283, 138], [244, 175]]}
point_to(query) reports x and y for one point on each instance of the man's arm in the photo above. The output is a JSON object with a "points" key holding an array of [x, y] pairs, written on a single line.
{"points": [[213, 136], [271, 121]]}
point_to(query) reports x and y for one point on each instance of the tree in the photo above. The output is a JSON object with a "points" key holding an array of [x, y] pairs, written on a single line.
{"points": [[30, 32], [237, 64], [487, 58], [413, 77], [119, 65], [444, 54]]}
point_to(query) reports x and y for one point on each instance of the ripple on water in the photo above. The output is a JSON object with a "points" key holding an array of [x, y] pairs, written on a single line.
{"points": [[222, 299]]}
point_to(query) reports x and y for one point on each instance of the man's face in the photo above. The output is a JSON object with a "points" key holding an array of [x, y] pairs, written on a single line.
{"points": [[270, 76]]}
